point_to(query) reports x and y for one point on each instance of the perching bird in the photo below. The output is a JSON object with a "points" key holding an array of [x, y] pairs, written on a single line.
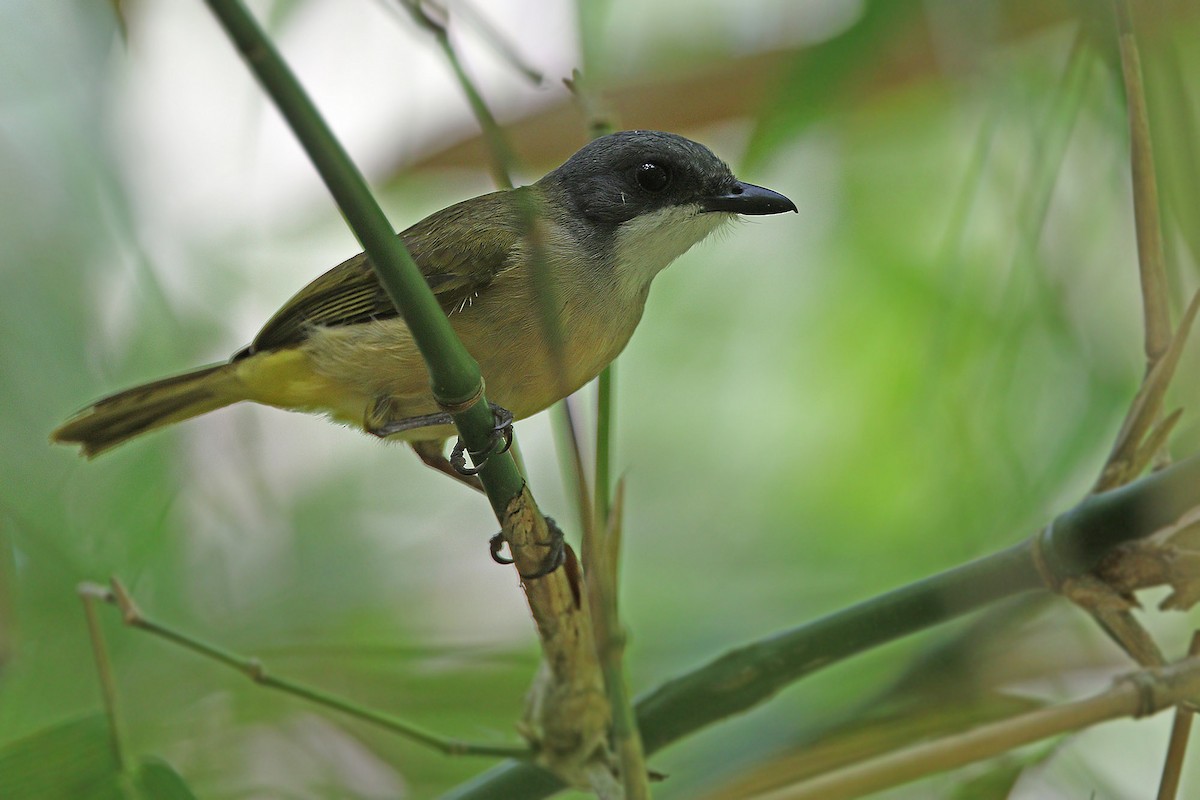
{"points": [[544, 284]]}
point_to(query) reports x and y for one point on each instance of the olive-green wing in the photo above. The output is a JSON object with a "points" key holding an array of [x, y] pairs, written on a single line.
{"points": [[459, 250]]}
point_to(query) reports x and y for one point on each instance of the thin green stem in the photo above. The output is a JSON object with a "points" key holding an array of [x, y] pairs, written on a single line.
{"points": [[605, 389], [574, 476], [610, 647], [89, 593], [504, 161], [499, 43], [1147, 220], [1079, 539], [254, 669], [602, 552]]}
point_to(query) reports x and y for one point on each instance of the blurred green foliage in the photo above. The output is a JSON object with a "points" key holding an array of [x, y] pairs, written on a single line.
{"points": [[923, 366]]}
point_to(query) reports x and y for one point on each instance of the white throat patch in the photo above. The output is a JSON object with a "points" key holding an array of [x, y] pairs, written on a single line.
{"points": [[649, 242]]}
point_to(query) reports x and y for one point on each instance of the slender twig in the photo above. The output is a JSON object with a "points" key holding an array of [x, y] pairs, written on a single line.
{"points": [[504, 164], [610, 645], [499, 43], [545, 292], [1151, 265], [254, 669], [89, 593], [1138, 695], [1144, 429], [503, 161], [605, 425], [1181, 730], [1129, 454], [598, 117], [605, 531], [1143, 436], [544, 289], [570, 444]]}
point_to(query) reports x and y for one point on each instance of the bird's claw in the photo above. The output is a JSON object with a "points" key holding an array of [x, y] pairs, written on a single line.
{"points": [[554, 559], [498, 444]]}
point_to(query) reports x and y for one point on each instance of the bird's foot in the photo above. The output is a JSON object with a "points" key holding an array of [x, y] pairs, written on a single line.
{"points": [[432, 455], [555, 557], [498, 443]]}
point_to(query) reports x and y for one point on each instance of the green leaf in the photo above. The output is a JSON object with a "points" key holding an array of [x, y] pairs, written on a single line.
{"points": [[69, 759], [158, 780]]}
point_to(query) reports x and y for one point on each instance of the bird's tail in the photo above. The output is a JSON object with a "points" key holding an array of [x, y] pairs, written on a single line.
{"points": [[135, 411]]}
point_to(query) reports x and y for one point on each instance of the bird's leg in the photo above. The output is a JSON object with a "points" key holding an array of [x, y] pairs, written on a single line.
{"points": [[379, 421], [431, 453]]}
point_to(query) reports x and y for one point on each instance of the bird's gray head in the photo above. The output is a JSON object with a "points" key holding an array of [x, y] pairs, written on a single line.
{"points": [[639, 199]]}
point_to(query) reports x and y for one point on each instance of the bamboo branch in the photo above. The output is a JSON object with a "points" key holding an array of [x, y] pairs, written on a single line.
{"points": [[1151, 264], [1074, 543], [597, 560], [602, 533], [1131, 453], [1181, 730], [1138, 695], [503, 161], [256, 671]]}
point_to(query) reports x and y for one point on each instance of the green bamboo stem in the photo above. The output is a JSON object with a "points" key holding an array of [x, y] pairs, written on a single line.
{"points": [[498, 41], [747, 676], [610, 648], [455, 381], [574, 476], [605, 391], [454, 375], [503, 164], [604, 529], [736, 682], [89, 593], [503, 161]]}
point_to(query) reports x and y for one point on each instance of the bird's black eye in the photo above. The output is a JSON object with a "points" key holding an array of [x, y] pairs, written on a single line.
{"points": [[653, 177]]}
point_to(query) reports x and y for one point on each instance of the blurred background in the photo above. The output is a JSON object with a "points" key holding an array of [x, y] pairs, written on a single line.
{"points": [[925, 365]]}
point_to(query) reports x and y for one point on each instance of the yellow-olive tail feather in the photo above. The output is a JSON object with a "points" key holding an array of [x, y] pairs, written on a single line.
{"points": [[122, 416]]}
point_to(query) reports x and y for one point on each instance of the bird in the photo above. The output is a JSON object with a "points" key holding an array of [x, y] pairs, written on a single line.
{"points": [[544, 284]]}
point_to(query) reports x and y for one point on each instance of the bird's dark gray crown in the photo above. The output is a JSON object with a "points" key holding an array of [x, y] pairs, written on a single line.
{"points": [[601, 182]]}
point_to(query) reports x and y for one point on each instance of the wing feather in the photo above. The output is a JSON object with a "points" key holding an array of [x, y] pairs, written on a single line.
{"points": [[459, 251]]}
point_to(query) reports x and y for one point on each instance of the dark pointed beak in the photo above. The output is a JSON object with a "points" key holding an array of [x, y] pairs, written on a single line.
{"points": [[746, 198]]}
